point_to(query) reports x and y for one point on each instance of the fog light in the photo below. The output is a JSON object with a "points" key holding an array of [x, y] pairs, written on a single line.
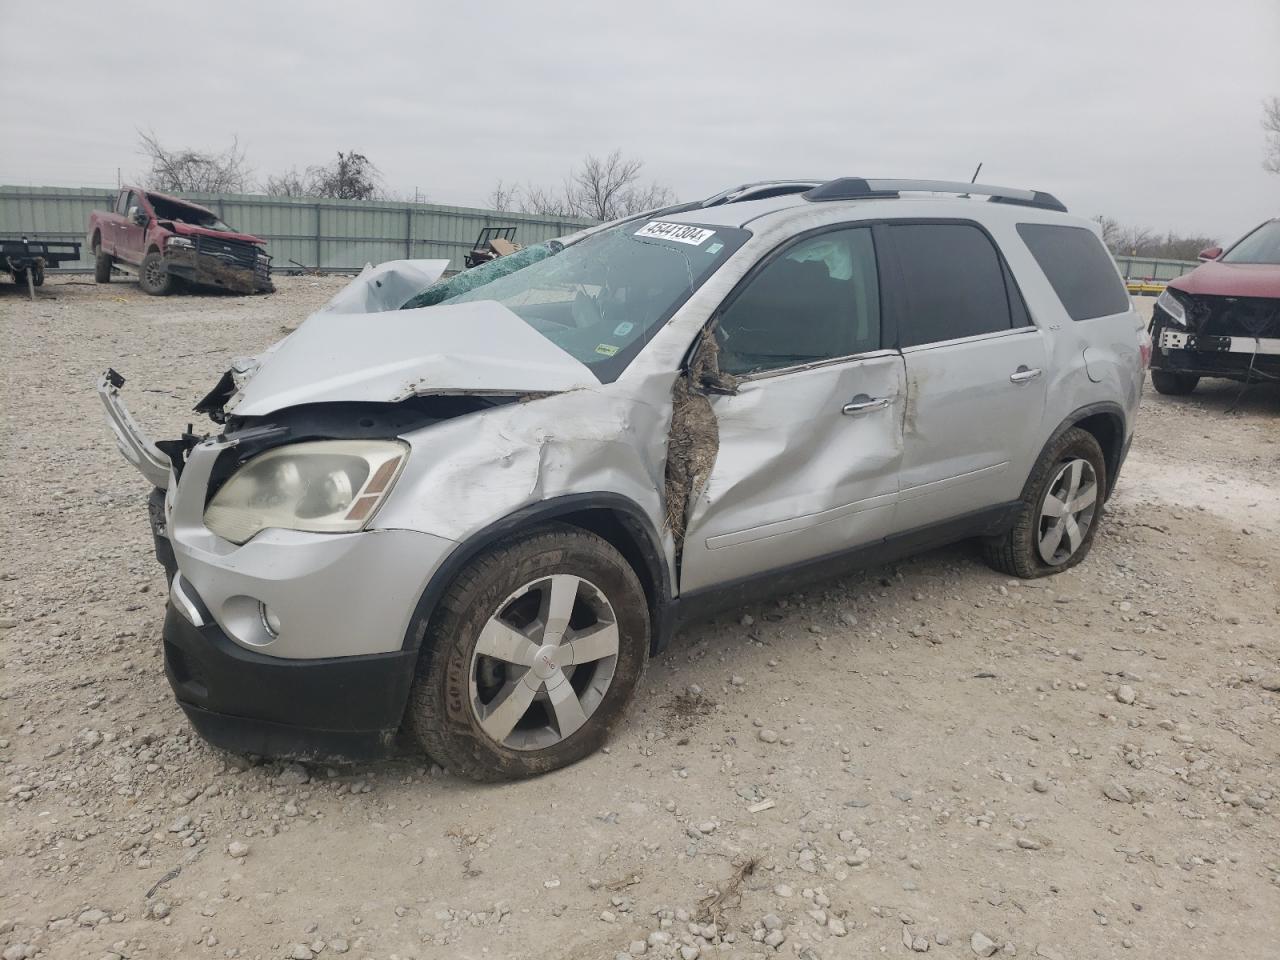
{"points": [[270, 622]]}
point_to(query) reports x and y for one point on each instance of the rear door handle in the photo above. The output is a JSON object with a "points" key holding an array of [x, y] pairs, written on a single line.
{"points": [[864, 404], [1025, 375]]}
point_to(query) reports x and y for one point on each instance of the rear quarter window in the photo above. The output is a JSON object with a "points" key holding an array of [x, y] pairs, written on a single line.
{"points": [[1078, 267]]}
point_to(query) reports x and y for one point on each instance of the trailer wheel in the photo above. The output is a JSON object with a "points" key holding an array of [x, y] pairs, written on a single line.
{"points": [[153, 275], [37, 275], [101, 266]]}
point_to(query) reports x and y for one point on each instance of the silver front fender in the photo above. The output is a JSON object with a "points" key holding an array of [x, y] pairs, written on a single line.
{"points": [[133, 443]]}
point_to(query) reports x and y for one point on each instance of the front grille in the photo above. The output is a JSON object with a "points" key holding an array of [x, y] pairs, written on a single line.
{"points": [[1235, 316], [236, 253]]}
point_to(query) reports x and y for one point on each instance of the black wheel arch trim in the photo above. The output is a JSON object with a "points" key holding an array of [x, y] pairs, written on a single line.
{"points": [[643, 538], [1114, 457]]}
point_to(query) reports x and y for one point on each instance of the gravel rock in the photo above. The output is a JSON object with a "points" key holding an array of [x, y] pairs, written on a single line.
{"points": [[1117, 792], [237, 850], [768, 736], [1126, 694], [982, 945]]}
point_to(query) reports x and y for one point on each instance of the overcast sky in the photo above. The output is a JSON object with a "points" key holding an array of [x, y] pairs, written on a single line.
{"points": [[1147, 111]]}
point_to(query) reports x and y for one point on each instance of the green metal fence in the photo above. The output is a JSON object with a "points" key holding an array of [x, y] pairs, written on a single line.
{"points": [[1147, 268], [334, 235]]}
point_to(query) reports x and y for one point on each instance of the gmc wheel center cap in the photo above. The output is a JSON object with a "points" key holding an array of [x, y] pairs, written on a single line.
{"points": [[544, 662]]}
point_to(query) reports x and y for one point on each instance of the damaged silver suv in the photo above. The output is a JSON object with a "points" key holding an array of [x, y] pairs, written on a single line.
{"points": [[468, 510]]}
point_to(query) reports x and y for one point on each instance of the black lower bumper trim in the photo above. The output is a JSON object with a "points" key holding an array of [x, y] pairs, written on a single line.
{"points": [[266, 739], [339, 707]]}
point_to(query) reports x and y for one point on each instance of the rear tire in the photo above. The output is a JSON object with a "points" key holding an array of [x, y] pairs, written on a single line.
{"points": [[153, 275], [101, 267], [476, 710], [1173, 384], [1060, 482]]}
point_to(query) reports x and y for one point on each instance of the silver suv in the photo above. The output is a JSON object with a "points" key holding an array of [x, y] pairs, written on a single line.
{"points": [[470, 509]]}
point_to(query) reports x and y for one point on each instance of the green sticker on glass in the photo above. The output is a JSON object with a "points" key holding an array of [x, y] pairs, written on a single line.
{"points": [[606, 349]]}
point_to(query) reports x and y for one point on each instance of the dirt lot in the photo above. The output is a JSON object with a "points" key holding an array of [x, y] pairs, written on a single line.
{"points": [[1087, 766]]}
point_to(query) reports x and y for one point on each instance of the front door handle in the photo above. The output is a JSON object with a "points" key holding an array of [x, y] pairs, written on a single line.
{"points": [[1024, 374], [864, 404]]}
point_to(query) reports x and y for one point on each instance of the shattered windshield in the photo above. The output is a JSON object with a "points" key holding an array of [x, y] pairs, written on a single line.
{"points": [[1261, 246], [600, 299], [168, 210]]}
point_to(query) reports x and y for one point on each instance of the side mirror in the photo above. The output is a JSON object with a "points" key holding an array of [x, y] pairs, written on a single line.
{"points": [[138, 216], [1210, 253]]}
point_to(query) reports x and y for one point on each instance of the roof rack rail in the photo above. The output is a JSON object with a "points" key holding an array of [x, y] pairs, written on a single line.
{"points": [[759, 190], [857, 188]]}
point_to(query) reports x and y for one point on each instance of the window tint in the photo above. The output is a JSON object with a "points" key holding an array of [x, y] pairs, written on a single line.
{"points": [[954, 283], [819, 299], [122, 202], [1079, 269]]}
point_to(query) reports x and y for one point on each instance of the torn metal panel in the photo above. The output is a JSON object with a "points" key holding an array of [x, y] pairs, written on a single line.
{"points": [[694, 436], [795, 477], [132, 442]]}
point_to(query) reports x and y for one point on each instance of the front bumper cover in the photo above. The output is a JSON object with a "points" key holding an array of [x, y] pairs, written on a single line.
{"points": [[343, 708]]}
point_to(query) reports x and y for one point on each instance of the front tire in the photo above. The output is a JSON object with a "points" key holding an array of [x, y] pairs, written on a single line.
{"points": [[1061, 505], [531, 656], [101, 264], [154, 276], [1173, 384]]}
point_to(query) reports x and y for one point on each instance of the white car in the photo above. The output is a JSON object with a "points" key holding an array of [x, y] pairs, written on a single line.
{"points": [[470, 510]]}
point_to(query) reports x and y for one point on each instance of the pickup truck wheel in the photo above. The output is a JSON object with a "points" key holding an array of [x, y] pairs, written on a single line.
{"points": [[1060, 509], [531, 656], [101, 267], [1173, 384], [153, 275]]}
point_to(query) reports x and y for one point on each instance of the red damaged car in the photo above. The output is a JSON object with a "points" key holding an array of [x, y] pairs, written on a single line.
{"points": [[167, 239], [1223, 318]]}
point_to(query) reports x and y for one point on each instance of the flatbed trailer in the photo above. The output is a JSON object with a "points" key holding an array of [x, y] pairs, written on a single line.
{"points": [[27, 259]]}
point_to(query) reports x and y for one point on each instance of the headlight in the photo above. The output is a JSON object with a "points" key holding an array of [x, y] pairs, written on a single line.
{"points": [[329, 486], [179, 242], [1170, 304]]}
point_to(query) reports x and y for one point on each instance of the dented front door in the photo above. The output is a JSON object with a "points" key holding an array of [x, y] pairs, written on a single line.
{"points": [[807, 466]]}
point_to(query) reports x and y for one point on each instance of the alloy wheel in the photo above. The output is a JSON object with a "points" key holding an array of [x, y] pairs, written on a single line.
{"points": [[1067, 511], [543, 662]]}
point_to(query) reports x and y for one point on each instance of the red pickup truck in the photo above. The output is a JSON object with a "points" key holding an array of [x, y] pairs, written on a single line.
{"points": [[165, 239]]}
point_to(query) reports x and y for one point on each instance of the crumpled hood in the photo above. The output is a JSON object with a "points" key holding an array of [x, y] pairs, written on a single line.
{"points": [[1231, 280], [360, 348], [191, 230]]}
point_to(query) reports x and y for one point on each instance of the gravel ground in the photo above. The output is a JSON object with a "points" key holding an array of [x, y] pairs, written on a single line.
{"points": [[923, 757]]}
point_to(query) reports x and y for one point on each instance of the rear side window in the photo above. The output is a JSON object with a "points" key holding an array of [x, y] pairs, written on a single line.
{"points": [[1078, 267], [953, 283]]}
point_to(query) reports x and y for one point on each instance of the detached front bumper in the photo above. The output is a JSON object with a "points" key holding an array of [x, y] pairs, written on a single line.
{"points": [[210, 270], [1204, 355]]}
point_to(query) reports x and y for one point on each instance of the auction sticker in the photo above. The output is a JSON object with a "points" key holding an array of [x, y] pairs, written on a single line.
{"points": [[679, 232]]}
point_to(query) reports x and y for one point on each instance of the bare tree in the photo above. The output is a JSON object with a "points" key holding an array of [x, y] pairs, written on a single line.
{"points": [[605, 189], [549, 202], [291, 183], [1110, 230], [503, 197], [1271, 124], [601, 188], [194, 170], [351, 177], [1127, 241]]}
